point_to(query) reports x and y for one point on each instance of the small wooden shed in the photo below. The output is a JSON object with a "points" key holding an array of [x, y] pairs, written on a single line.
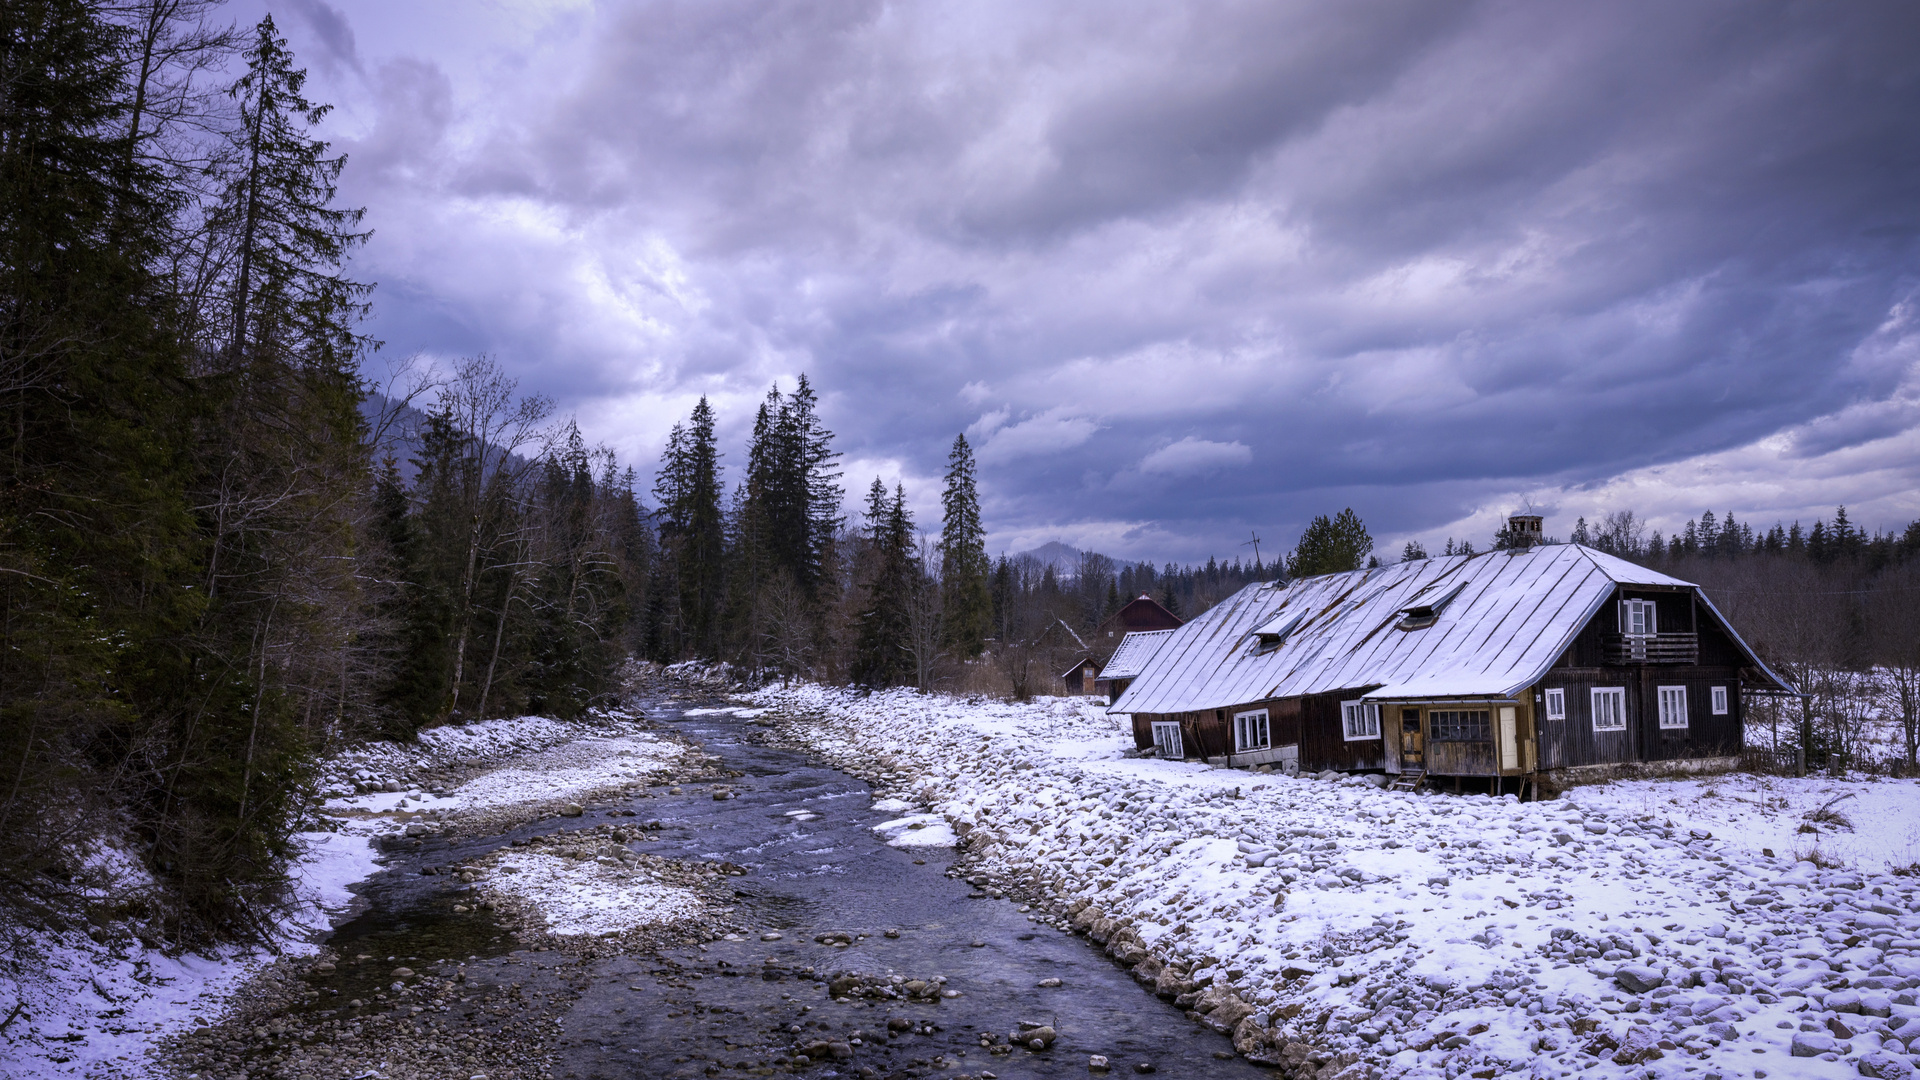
{"points": [[1081, 676]]}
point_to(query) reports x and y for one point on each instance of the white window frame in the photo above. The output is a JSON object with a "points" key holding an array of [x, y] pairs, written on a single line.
{"points": [[1673, 707], [1359, 720], [1721, 700], [1614, 711], [1630, 608], [1557, 704], [1251, 723], [1166, 736]]}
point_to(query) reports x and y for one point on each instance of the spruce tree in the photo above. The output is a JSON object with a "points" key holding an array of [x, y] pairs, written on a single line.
{"points": [[692, 532], [98, 547], [880, 647], [964, 568], [1331, 546]]}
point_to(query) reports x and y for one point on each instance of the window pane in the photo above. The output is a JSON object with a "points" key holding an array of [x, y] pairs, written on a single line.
{"points": [[1609, 709], [1461, 725]]}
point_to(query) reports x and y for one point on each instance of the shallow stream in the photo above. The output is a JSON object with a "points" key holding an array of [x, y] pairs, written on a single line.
{"points": [[802, 831]]}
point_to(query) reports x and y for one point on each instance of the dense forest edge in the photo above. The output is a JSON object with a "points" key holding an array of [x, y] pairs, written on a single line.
{"points": [[225, 551]]}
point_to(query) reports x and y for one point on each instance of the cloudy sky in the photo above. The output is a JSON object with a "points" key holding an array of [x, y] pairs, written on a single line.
{"points": [[1178, 271]]}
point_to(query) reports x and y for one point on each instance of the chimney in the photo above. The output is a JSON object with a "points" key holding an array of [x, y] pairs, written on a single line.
{"points": [[1526, 529]]}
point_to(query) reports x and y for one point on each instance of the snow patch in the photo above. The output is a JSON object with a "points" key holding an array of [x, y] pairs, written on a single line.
{"points": [[582, 898]]}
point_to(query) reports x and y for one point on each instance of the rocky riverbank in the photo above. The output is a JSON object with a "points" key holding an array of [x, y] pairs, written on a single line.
{"points": [[1334, 929]]}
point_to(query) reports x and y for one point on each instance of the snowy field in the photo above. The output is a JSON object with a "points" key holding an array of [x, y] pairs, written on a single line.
{"points": [[92, 1008], [1718, 926]]}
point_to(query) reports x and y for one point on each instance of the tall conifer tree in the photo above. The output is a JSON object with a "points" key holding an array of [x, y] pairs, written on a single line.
{"points": [[963, 555], [692, 531]]}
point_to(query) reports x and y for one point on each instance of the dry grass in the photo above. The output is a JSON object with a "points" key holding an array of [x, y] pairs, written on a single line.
{"points": [[1823, 860], [1829, 816]]}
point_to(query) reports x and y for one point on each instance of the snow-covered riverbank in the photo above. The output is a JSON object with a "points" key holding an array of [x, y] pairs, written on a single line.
{"points": [[1637, 928], [92, 1001]]}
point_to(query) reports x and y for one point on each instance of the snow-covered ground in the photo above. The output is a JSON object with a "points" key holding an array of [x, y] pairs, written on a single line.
{"points": [[94, 1008], [1648, 928], [480, 772]]}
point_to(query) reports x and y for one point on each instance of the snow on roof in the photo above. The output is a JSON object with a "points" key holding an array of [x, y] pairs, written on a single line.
{"points": [[1512, 615], [1135, 650]]}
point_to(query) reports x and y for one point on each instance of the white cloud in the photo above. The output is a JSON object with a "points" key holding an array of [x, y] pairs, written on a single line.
{"points": [[1053, 430], [1192, 457], [982, 429]]}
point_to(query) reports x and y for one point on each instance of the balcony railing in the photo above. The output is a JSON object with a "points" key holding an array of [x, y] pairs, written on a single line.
{"points": [[1653, 648]]}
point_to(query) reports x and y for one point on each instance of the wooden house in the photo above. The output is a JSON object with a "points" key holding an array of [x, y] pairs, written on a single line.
{"points": [[1500, 665], [1146, 613]]}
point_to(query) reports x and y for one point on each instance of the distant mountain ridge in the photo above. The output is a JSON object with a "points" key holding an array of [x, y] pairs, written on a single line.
{"points": [[1065, 558]]}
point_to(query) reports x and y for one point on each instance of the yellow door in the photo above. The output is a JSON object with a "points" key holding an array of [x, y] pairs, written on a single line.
{"points": [[1413, 742]]}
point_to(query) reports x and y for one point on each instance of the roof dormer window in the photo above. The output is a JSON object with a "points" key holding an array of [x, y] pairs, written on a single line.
{"points": [[1274, 632], [1421, 616]]}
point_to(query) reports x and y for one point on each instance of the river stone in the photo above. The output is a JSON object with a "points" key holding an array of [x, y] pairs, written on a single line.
{"points": [[1641, 1045], [403, 973], [572, 810], [1808, 1044], [1638, 978], [1098, 1063], [1226, 1013], [821, 1050], [1885, 1066], [1171, 983], [1255, 1043]]}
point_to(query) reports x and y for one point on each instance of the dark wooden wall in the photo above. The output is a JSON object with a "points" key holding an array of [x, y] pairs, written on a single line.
{"points": [[1573, 742], [1311, 722], [1323, 743]]}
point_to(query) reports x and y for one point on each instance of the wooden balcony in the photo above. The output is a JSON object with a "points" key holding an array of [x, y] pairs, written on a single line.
{"points": [[1653, 649]]}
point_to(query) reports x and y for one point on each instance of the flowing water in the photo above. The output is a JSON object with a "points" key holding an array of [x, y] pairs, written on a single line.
{"points": [[733, 1008]]}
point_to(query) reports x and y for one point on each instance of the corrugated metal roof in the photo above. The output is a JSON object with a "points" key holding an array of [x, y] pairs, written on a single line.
{"points": [[1514, 614], [1135, 650]]}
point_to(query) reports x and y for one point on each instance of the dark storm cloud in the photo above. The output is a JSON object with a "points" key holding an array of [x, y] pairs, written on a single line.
{"points": [[1182, 271], [329, 27]]}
